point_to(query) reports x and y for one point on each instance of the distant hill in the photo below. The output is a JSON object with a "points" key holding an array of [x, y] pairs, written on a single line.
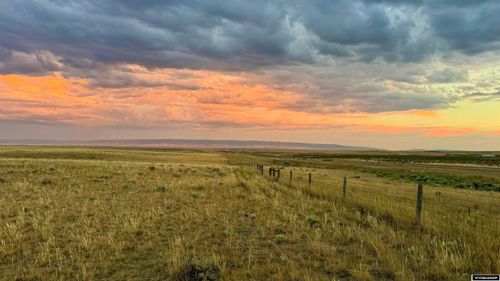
{"points": [[189, 143]]}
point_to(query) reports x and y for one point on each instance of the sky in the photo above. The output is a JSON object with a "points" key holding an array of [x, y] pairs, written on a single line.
{"points": [[394, 74]]}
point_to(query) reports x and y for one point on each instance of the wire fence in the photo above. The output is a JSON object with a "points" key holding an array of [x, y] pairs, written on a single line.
{"points": [[454, 213]]}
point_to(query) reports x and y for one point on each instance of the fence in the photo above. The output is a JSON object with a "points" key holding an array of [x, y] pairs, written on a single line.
{"points": [[440, 210]]}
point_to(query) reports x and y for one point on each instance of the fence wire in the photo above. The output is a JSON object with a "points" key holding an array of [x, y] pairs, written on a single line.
{"points": [[457, 212]]}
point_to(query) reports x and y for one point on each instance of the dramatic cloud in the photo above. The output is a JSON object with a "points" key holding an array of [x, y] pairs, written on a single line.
{"points": [[247, 64], [243, 34], [468, 26]]}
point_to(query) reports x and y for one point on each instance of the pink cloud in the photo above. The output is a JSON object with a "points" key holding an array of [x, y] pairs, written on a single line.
{"points": [[200, 98]]}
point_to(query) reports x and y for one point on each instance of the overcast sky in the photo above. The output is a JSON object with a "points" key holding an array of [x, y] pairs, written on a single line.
{"points": [[387, 73]]}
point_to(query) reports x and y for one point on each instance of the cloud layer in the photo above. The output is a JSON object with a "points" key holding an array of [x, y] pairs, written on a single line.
{"points": [[246, 35], [242, 63]]}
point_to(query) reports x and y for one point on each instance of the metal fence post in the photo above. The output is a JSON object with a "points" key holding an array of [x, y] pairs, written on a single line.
{"points": [[420, 194], [344, 187]]}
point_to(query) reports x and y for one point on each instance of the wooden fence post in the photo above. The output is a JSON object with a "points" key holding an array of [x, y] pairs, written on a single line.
{"points": [[420, 194], [310, 180], [290, 182], [270, 172], [261, 170], [279, 172], [344, 187]]}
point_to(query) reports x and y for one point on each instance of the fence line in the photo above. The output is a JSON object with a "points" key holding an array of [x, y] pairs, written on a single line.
{"points": [[452, 214]]}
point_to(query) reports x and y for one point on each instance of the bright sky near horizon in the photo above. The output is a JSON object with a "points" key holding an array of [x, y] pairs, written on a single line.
{"points": [[390, 74]]}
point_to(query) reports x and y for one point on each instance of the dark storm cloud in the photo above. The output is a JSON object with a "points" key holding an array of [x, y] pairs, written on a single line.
{"points": [[4, 54], [152, 33], [339, 53], [245, 34], [364, 29], [117, 81], [28, 64], [469, 28], [120, 81]]}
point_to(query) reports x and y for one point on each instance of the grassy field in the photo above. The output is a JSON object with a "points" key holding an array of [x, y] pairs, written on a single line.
{"points": [[470, 171], [140, 214]]}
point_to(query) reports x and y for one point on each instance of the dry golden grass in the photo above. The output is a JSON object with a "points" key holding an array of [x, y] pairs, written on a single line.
{"points": [[113, 154], [466, 218], [152, 220]]}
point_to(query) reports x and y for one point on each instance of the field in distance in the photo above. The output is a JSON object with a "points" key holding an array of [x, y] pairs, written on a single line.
{"points": [[74, 213]]}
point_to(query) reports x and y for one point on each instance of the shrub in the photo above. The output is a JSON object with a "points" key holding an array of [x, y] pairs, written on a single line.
{"points": [[243, 184], [313, 221], [161, 188], [46, 181], [200, 271], [198, 193], [280, 238]]}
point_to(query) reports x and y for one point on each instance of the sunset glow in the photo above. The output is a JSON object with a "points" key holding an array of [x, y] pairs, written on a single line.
{"points": [[277, 74]]}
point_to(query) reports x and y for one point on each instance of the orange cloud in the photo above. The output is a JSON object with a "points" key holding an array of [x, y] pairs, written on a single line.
{"points": [[413, 113], [213, 98], [41, 87], [186, 96], [173, 97], [46, 99], [424, 113]]}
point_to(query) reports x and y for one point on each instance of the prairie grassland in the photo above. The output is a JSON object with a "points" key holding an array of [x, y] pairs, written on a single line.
{"points": [[161, 218], [113, 154]]}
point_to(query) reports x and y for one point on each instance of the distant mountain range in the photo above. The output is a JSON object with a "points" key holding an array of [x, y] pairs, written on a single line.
{"points": [[188, 143]]}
